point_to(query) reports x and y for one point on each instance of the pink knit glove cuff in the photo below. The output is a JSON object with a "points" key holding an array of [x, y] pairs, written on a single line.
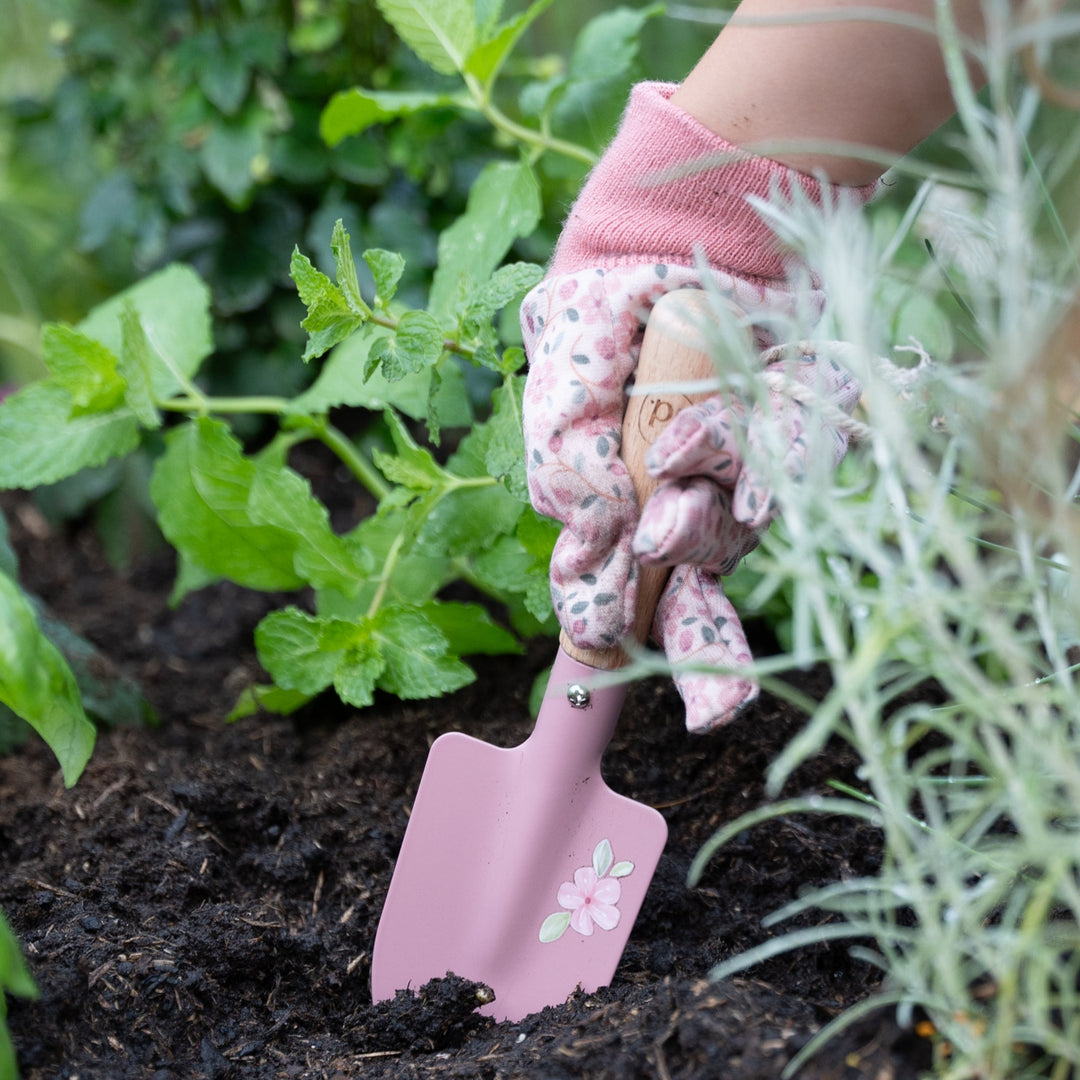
{"points": [[638, 207]]}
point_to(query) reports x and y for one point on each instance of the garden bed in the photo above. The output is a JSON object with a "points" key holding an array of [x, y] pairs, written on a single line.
{"points": [[203, 902]]}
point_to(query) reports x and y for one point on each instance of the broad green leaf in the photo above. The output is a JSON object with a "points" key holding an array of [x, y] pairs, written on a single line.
{"points": [[201, 487], [41, 442], [351, 112], [386, 268], [282, 499], [136, 367], [342, 382], [37, 684], [330, 318], [228, 154], [293, 647], [487, 59], [609, 43], [417, 343], [15, 977], [174, 312], [441, 32], [9, 561], [468, 520], [416, 654], [85, 368], [504, 455], [503, 205], [469, 629]]}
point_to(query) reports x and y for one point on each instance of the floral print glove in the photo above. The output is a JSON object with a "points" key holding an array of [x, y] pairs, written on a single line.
{"points": [[637, 231]]}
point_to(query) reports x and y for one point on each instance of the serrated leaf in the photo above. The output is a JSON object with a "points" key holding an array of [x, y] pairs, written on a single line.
{"points": [[359, 673], [468, 520], [417, 343], [282, 499], [441, 32], [293, 647], [136, 366], [411, 465], [351, 112], [174, 311], [342, 381], [503, 205], [271, 699], [201, 487], [418, 664], [386, 268], [507, 283], [37, 684], [85, 368], [330, 318], [487, 59], [504, 455], [41, 442], [469, 629]]}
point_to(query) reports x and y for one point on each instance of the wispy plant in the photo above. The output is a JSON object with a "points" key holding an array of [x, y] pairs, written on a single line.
{"points": [[934, 575]]}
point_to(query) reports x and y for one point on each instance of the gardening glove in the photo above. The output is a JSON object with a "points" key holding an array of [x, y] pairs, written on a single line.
{"points": [[641, 228]]}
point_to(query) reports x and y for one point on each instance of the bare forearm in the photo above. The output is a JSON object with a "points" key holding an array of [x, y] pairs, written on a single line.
{"points": [[776, 73]]}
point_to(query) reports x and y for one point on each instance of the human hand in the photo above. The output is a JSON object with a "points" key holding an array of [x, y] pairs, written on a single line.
{"points": [[583, 327]]}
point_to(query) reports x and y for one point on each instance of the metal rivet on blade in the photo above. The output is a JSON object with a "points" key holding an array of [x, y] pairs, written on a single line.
{"points": [[578, 696]]}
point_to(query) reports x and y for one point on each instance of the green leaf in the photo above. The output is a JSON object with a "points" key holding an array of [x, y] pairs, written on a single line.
{"points": [[487, 59], [622, 869], [174, 311], [85, 368], [342, 381], [37, 684], [386, 268], [411, 466], [468, 520], [201, 487], [508, 283], [271, 699], [15, 977], [41, 442], [554, 926], [504, 456], [417, 343], [503, 205], [282, 500], [136, 367], [356, 678], [9, 561], [345, 268], [298, 649], [441, 32], [351, 112], [469, 629], [609, 43], [602, 858], [416, 654], [330, 318], [228, 155]]}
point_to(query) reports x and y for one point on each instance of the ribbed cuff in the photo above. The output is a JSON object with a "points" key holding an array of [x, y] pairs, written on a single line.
{"points": [[668, 188]]}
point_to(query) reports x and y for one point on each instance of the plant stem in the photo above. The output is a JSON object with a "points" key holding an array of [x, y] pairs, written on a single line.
{"points": [[529, 136], [345, 449], [197, 403]]}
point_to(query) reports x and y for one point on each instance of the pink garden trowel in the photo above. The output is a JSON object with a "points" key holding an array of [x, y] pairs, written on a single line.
{"points": [[520, 868]]}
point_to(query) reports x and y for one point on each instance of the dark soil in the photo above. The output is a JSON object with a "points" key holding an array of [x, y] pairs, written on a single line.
{"points": [[203, 902]]}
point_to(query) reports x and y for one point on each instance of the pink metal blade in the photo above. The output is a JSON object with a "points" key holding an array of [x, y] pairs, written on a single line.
{"points": [[520, 868]]}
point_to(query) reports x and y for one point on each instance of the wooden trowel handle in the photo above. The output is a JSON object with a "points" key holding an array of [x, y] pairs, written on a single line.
{"points": [[673, 351]]}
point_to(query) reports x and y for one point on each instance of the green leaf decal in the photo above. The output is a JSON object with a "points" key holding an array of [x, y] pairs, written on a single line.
{"points": [[441, 32], [622, 869], [602, 858], [554, 926], [37, 684]]}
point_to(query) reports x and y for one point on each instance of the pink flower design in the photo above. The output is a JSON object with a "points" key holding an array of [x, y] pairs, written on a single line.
{"points": [[591, 899]]}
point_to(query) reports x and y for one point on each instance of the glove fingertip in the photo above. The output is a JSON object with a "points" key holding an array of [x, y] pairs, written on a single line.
{"points": [[713, 702]]}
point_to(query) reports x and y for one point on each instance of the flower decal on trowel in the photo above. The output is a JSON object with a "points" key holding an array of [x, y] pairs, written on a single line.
{"points": [[591, 899]]}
